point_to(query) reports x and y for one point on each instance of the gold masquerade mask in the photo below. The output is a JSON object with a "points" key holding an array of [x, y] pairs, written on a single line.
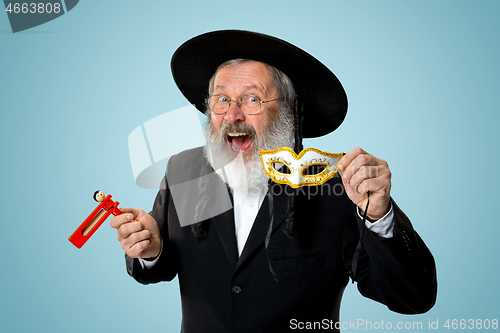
{"points": [[310, 167]]}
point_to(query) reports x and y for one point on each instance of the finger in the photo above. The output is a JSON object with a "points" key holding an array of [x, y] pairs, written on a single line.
{"points": [[135, 238], [348, 158], [357, 163], [133, 211], [365, 172], [117, 221], [380, 185], [127, 229], [136, 250]]}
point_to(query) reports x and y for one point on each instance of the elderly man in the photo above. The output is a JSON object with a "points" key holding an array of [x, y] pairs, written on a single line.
{"points": [[280, 256]]}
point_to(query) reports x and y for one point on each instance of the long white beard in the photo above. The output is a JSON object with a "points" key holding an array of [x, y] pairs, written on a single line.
{"points": [[247, 173]]}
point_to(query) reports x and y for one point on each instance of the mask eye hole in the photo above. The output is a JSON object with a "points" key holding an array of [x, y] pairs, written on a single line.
{"points": [[314, 169], [281, 168]]}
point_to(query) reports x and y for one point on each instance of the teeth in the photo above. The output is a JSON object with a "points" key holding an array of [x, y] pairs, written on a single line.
{"points": [[237, 134]]}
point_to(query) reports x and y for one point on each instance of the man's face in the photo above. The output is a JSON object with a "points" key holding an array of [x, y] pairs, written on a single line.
{"points": [[234, 82]]}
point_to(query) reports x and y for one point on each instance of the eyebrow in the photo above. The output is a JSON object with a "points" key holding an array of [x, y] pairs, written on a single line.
{"points": [[246, 88]]}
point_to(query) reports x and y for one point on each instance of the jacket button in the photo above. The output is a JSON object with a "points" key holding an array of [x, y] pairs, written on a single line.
{"points": [[236, 289]]}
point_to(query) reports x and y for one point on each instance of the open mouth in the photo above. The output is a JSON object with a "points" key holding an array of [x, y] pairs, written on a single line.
{"points": [[240, 142]]}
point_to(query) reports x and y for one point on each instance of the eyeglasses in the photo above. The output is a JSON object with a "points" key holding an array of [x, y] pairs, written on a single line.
{"points": [[248, 104]]}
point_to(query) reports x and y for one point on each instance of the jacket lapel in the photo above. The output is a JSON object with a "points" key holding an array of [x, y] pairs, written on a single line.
{"points": [[261, 224], [224, 224]]}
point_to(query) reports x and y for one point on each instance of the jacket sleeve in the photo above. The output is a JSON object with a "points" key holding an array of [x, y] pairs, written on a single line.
{"points": [[166, 267], [399, 272]]}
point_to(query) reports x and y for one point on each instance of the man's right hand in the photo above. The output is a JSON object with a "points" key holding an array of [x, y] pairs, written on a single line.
{"points": [[138, 233]]}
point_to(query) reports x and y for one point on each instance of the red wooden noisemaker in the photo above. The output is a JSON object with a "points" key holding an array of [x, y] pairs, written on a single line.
{"points": [[95, 219]]}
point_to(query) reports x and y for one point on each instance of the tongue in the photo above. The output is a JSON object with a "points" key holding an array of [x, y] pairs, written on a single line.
{"points": [[241, 142]]}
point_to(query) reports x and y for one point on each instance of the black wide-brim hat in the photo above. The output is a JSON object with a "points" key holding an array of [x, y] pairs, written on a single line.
{"points": [[321, 95]]}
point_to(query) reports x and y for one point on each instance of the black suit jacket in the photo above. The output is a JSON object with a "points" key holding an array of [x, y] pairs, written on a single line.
{"points": [[223, 293]]}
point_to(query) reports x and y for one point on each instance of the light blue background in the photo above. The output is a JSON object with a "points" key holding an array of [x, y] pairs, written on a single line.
{"points": [[423, 81]]}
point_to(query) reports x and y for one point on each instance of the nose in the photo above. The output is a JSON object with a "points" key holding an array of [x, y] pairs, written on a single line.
{"points": [[234, 113]]}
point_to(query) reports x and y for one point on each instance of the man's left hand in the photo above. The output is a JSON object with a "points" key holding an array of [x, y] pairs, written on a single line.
{"points": [[362, 172]]}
